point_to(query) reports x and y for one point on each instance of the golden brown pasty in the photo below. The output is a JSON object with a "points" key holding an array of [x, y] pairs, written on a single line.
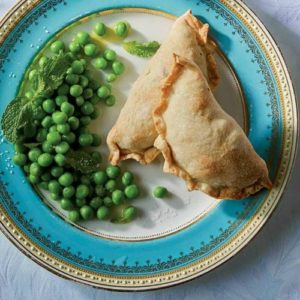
{"points": [[134, 133], [200, 142]]}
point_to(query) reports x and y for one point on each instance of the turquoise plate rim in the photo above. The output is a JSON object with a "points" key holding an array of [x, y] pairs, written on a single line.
{"points": [[5, 227]]}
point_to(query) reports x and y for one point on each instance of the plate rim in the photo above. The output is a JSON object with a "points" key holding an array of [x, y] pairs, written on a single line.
{"points": [[10, 224]]}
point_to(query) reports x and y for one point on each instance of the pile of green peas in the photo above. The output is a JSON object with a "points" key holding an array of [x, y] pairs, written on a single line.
{"points": [[61, 123]]}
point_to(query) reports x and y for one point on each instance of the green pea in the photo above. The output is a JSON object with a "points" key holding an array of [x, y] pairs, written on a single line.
{"points": [[110, 54], [60, 159], [100, 63], [107, 201], [117, 197], [86, 120], [39, 113], [118, 67], [86, 212], [82, 37], [82, 191], [76, 90], [74, 216], [56, 171], [59, 117], [95, 114], [47, 122], [57, 46], [128, 213], [127, 178], [79, 101], [102, 213], [95, 99], [72, 78], [47, 147], [53, 128], [45, 160], [110, 185], [19, 147], [54, 187], [100, 190], [85, 180], [100, 177], [93, 84], [90, 50], [63, 90], [26, 169], [100, 28], [33, 179], [43, 60], [59, 100], [41, 135], [74, 47], [160, 192], [66, 179], [63, 128], [73, 122], [43, 185], [67, 108], [88, 93], [70, 57], [111, 77], [35, 169], [55, 197], [20, 159], [96, 156], [77, 67], [132, 191], [34, 154], [68, 192], [121, 29], [96, 202], [85, 139], [69, 137], [46, 177], [80, 202], [87, 108], [29, 94], [32, 74], [49, 106], [84, 130], [110, 101], [96, 140], [113, 171], [103, 92], [83, 81], [54, 138], [84, 62], [66, 204]]}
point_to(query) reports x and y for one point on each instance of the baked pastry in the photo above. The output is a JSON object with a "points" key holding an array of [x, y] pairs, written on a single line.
{"points": [[200, 142], [134, 132]]}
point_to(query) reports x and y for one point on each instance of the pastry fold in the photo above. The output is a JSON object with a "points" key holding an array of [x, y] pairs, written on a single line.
{"points": [[134, 132], [200, 142]]}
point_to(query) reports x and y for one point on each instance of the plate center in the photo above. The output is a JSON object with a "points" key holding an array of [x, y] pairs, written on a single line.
{"points": [[157, 217]]}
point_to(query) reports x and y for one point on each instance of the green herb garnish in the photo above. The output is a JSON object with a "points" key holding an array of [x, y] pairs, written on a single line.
{"points": [[146, 49], [20, 111], [82, 161]]}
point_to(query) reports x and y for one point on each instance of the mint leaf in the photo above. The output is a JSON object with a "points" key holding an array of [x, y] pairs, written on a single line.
{"points": [[18, 114], [82, 161], [51, 75], [146, 49]]}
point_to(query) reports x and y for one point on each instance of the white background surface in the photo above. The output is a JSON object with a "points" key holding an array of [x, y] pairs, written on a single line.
{"points": [[269, 268]]}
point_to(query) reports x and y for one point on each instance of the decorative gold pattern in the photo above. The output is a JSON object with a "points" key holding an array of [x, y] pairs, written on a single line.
{"points": [[288, 103]]}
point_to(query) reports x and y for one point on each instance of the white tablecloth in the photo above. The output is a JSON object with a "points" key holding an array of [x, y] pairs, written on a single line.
{"points": [[269, 268]]}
